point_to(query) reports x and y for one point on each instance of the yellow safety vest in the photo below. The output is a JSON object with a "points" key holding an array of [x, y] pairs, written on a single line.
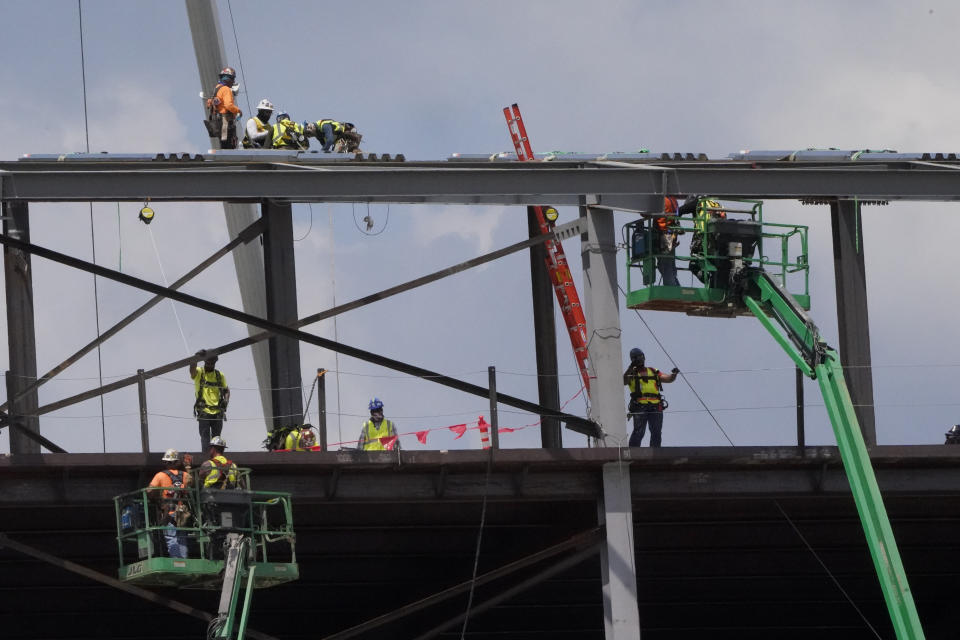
{"points": [[372, 434], [648, 381], [213, 383], [283, 134], [224, 473], [261, 126]]}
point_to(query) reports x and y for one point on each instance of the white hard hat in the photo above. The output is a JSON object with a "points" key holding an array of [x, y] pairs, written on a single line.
{"points": [[217, 441], [172, 455], [265, 105]]}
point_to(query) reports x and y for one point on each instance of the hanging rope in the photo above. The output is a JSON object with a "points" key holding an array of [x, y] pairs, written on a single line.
{"points": [[369, 220], [93, 241], [310, 228]]}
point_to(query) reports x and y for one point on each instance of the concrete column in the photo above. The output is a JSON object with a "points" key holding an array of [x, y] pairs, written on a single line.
{"points": [[618, 570], [281, 285], [545, 337], [21, 333], [601, 306], [852, 321]]}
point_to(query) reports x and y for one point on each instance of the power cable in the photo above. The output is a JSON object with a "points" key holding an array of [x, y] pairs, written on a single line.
{"points": [[93, 241], [670, 358], [243, 78]]}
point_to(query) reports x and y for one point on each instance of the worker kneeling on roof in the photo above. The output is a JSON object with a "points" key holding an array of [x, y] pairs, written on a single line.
{"points": [[288, 134], [259, 133], [330, 133]]}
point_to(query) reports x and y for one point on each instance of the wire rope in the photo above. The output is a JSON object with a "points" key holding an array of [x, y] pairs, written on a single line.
{"points": [[670, 358], [93, 240], [357, 224], [163, 274], [310, 228], [243, 77], [336, 338]]}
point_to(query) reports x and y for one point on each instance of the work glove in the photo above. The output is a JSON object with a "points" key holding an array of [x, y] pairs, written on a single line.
{"points": [[675, 371]]}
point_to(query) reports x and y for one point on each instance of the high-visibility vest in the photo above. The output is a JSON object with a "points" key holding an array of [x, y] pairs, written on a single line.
{"points": [[645, 386], [372, 434], [337, 128], [286, 134], [209, 387], [261, 126], [223, 474]]}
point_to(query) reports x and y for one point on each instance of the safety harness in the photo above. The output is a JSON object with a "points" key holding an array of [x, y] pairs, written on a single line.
{"points": [[201, 403]]}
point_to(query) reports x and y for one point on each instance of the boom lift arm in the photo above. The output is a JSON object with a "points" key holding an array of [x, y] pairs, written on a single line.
{"points": [[767, 299]]}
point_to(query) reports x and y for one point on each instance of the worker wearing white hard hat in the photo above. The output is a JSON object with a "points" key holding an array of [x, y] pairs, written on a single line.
{"points": [[259, 133]]}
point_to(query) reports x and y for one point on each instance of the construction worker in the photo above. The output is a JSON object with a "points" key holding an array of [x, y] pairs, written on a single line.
{"points": [[222, 111], [376, 428], [212, 396], [259, 133], [646, 400], [301, 438], [171, 500], [329, 132], [218, 472], [287, 134], [953, 436], [666, 238]]}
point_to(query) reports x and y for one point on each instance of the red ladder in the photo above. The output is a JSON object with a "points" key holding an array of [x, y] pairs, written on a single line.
{"points": [[556, 259]]}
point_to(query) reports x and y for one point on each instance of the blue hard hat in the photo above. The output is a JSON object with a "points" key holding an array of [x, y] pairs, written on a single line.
{"points": [[635, 353], [375, 405]]}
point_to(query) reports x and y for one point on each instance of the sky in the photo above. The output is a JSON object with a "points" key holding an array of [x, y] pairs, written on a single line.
{"points": [[428, 79]]}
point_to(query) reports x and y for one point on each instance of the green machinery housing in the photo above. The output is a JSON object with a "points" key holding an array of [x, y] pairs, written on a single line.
{"points": [[237, 539], [740, 265]]}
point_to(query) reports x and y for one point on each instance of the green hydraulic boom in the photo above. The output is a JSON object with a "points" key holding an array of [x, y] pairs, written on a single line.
{"points": [[818, 361], [744, 266]]}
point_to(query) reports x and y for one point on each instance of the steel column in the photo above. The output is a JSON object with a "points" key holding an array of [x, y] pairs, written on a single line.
{"points": [[801, 435], [281, 286], [544, 337], [144, 428], [21, 336], [602, 311], [852, 322], [621, 616]]}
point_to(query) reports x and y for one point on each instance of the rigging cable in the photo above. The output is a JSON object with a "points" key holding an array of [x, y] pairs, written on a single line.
{"points": [[163, 274], [369, 220], [310, 228], [670, 358], [93, 241], [243, 78]]}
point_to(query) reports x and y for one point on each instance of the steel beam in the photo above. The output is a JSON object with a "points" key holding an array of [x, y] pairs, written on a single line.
{"points": [[533, 183], [246, 235], [602, 311], [281, 285], [853, 323], [21, 331], [587, 539], [544, 337], [618, 570], [133, 590], [573, 422]]}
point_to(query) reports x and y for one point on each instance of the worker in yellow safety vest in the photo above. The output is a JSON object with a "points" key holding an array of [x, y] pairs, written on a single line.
{"points": [[329, 132], [376, 432], [218, 472], [301, 438], [288, 134], [646, 398], [259, 132]]}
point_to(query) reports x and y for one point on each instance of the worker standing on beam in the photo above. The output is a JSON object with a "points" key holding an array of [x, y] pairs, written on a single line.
{"points": [[259, 134], [223, 112], [378, 433], [212, 397], [646, 398]]}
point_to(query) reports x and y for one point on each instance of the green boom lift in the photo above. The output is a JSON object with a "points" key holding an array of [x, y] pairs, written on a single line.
{"points": [[238, 539], [728, 256]]}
